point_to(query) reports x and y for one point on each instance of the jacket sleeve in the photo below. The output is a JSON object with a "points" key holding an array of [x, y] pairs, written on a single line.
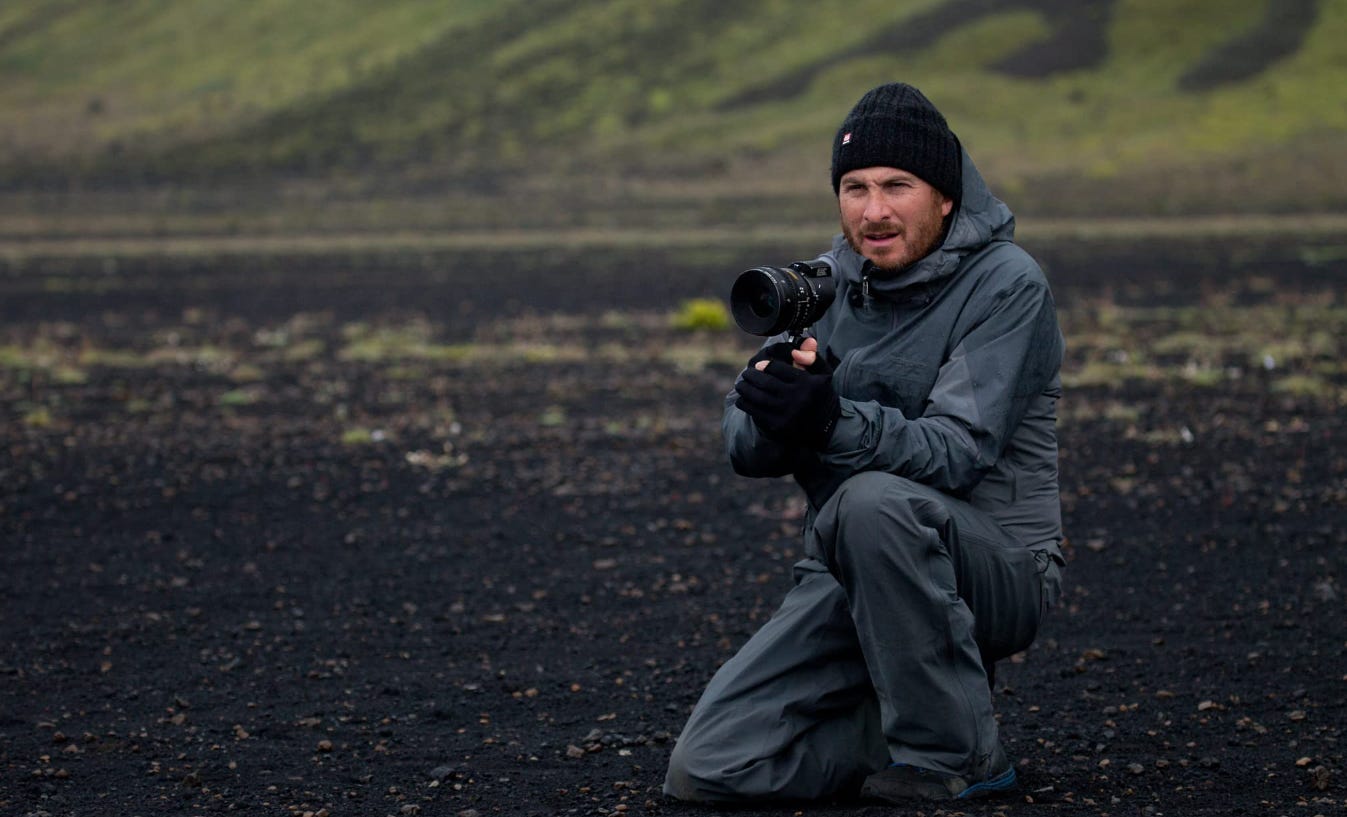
{"points": [[1009, 354]]}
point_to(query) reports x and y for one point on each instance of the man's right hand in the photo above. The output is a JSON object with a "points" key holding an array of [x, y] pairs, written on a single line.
{"points": [[776, 351], [805, 356]]}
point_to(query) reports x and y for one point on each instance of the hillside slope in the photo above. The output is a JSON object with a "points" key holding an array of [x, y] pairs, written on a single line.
{"points": [[1140, 106]]}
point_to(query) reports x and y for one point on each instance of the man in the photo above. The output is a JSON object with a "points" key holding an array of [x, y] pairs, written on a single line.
{"points": [[920, 420]]}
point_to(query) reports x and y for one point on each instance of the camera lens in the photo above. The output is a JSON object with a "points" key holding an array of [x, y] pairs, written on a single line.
{"points": [[755, 300], [764, 303], [770, 300]]}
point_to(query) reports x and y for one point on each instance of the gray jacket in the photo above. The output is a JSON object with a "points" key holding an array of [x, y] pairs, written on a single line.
{"points": [[948, 375]]}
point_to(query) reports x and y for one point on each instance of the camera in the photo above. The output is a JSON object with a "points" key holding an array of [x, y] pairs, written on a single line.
{"points": [[770, 300]]}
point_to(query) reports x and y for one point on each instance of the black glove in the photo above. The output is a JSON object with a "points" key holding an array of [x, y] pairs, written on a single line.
{"points": [[776, 351], [790, 404], [781, 351]]}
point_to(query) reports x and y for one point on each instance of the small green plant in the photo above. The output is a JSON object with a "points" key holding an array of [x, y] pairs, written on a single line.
{"points": [[552, 417], [38, 418], [238, 397], [1304, 385], [361, 436], [701, 313]]}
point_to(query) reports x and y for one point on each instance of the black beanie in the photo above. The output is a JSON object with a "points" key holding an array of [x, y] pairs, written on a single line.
{"points": [[895, 125]]}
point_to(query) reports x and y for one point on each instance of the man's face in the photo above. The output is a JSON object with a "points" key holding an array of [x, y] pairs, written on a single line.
{"points": [[890, 216]]}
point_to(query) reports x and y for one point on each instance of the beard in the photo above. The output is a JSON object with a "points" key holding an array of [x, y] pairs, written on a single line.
{"points": [[920, 238]]}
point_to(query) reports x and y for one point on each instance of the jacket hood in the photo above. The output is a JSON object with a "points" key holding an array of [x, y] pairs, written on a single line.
{"points": [[979, 219]]}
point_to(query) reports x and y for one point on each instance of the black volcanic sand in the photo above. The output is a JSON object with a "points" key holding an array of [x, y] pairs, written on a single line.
{"points": [[362, 536]]}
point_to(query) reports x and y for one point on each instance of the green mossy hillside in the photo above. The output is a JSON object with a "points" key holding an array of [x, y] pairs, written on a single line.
{"points": [[1138, 106]]}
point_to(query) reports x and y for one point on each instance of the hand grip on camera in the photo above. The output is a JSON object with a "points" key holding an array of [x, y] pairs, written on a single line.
{"points": [[790, 404]]}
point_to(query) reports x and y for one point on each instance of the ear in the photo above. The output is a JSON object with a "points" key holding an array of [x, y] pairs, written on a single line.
{"points": [[946, 207]]}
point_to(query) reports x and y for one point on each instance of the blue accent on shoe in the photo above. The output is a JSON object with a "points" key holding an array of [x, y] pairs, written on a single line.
{"points": [[1002, 782]]}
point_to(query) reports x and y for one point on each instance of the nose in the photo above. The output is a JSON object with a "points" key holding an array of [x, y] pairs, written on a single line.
{"points": [[876, 209]]}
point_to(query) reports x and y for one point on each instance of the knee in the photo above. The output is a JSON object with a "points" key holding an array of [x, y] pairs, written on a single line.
{"points": [[691, 779], [679, 780], [874, 492], [709, 765], [874, 512]]}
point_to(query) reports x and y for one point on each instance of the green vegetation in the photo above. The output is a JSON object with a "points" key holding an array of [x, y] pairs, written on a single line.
{"points": [[80, 77], [701, 314], [239, 397], [1289, 349], [390, 343], [361, 436], [1297, 346], [672, 112]]}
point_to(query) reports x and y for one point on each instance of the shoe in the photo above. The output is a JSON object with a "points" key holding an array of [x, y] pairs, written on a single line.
{"points": [[902, 782]]}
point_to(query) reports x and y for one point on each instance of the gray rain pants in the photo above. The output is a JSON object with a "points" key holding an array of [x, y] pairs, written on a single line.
{"points": [[876, 654]]}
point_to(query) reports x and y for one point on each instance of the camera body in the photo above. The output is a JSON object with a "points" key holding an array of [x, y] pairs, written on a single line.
{"points": [[770, 300]]}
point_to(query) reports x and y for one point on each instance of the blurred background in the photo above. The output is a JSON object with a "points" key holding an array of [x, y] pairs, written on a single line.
{"points": [[181, 118], [361, 368]]}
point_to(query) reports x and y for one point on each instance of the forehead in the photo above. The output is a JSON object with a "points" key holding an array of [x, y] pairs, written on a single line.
{"points": [[880, 174]]}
